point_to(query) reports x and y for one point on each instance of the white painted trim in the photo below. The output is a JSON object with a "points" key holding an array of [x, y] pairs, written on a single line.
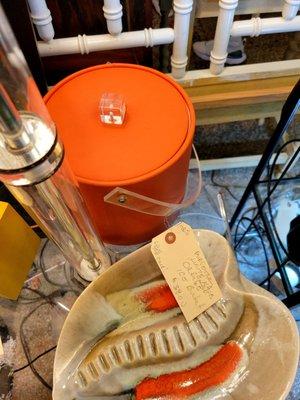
{"points": [[240, 72], [85, 44], [232, 162], [264, 26]]}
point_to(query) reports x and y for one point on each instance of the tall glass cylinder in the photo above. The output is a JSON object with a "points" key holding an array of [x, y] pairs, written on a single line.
{"points": [[33, 166]]}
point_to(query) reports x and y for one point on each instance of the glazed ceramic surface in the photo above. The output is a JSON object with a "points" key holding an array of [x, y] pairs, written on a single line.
{"points": [[125, 337]]}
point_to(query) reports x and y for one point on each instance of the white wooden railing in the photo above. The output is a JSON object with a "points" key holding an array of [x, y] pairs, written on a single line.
{"points": [[112, 9]]}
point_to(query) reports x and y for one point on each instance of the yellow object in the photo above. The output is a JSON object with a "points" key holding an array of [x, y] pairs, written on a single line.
{"points": [[18, 247]]}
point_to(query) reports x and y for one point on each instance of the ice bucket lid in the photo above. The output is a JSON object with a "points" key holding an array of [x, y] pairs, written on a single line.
{"points": [[158, 127]]}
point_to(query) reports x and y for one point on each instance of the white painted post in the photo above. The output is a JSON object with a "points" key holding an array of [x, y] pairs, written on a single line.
{"points": [[113, 13], [41, 17], [290, 9], [179, 58], [218, 54]]}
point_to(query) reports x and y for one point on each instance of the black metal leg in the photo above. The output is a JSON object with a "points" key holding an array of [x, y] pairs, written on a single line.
{"points": [[285, 281], [289, 110]]}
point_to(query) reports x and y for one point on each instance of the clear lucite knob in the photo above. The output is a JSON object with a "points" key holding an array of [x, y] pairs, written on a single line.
{"points": [[112, 109]]}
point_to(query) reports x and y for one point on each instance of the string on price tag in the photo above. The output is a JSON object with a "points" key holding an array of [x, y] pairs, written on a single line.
{"points": [[1, 348]]}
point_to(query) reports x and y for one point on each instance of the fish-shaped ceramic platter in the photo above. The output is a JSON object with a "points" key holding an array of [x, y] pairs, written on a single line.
{"points": [[126, 338]]}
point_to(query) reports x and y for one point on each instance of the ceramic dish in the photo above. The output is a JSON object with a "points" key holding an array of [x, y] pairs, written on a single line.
{"points": [[125, 337]]}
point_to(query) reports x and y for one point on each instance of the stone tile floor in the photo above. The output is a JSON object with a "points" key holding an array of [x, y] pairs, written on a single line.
{"points": [[42, 328]]}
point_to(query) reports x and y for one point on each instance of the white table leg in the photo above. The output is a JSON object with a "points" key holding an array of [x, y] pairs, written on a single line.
{"points": [[225, 19], [179, 58]]}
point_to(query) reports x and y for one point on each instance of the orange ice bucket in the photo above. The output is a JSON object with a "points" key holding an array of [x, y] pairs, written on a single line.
{"points": [[148, 155]]}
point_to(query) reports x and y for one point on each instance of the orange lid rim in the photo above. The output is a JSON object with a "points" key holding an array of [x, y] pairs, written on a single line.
{"points": [[153, 173]]}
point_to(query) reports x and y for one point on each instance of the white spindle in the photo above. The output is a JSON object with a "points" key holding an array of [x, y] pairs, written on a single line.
{"points": [[290, 9], [41, 17], [85, 44], [179, 59], [264, 26], [218, 54], [113, 13]]}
